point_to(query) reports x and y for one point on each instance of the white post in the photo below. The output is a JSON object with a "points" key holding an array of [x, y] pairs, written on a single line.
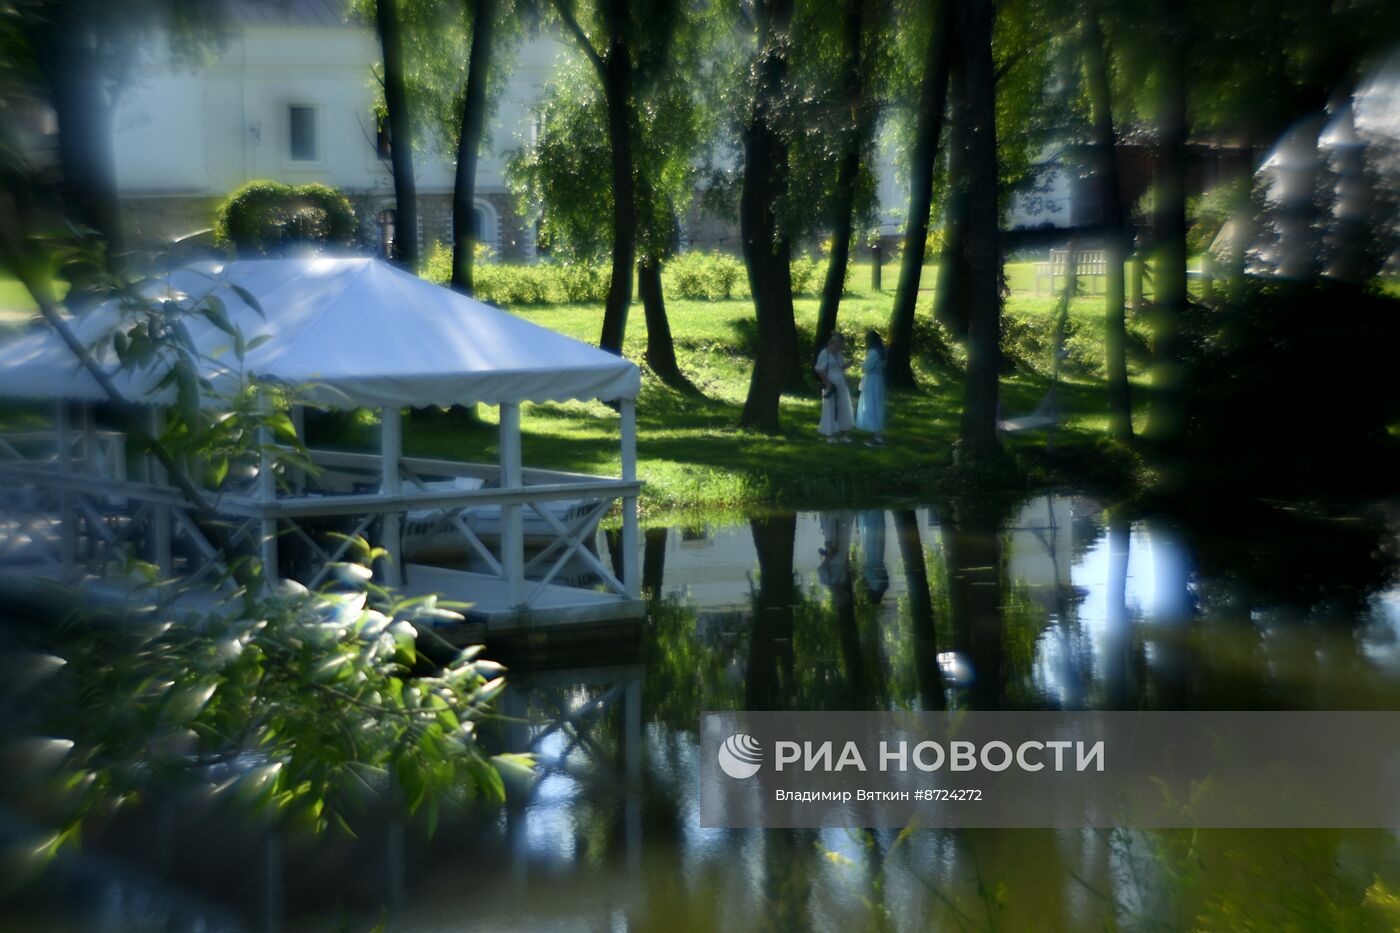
{"points": [[267, 494], [298, 415], [161, 516], [67, 514], [631, 572], [92, 459], [512, 524], [391, 483]]}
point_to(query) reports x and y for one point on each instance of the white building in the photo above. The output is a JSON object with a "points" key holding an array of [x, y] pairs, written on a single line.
{"points": [[290, 97]]}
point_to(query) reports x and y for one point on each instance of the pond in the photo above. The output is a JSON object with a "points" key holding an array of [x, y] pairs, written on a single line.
{"points": [[1057, 602]]}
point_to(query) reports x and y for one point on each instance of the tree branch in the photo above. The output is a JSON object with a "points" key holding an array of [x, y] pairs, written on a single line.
{"points": [[566, 13], [10, 252]]}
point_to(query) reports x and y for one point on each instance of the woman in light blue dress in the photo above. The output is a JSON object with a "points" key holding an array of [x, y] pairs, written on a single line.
{"points": [[870, 411]]}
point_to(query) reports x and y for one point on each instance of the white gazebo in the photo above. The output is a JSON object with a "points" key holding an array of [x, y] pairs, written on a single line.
{"points": [[346, 333]]}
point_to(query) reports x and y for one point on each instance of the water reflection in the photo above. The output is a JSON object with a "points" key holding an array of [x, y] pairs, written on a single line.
{"points": [[1053, 603]]}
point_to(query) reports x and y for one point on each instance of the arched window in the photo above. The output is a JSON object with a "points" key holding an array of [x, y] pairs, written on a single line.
{"points": [[485, 225]]}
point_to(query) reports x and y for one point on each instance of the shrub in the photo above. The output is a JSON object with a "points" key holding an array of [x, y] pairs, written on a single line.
{"points": [[804, 275], [705, 276], [506, 284], [268, 218]]}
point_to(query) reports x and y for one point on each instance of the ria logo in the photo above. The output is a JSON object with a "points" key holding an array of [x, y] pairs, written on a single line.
{"points": [[740, 756]]}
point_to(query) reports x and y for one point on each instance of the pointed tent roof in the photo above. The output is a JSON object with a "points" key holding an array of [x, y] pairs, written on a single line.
{"points": [[360, 331]]}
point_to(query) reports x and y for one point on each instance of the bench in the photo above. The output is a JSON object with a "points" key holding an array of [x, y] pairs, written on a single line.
{"points": [[1091, 263]]}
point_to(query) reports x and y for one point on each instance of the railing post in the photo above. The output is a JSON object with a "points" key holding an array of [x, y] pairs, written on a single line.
{"points": [[391, 483], [512, 519], [267, 494], [631, 571], [298, 416], [160, 518], [67, 514]]}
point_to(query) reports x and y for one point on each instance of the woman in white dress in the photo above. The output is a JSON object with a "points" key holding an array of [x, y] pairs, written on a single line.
{"points": [[837, 418]]}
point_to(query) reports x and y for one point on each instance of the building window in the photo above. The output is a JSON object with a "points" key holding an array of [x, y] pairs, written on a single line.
{"points": [[302, 142]]}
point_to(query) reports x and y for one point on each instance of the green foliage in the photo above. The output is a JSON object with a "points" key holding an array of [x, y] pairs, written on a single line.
{"points": [[711, 276], [509, 284], [303, 703], [437, 38], [564, 176], [804, 275], [269, 218]]}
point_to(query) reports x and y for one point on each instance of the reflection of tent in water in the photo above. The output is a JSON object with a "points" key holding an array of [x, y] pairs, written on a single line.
{"points": [[1042, 551]]}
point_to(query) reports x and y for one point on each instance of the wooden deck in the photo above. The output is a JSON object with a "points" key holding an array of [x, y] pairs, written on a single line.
{"points": [[556, 607]]}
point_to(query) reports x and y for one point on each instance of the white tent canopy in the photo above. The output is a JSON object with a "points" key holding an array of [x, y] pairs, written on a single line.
{"points": [[358, 331]]}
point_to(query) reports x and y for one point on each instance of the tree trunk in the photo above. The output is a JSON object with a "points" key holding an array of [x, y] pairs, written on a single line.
{"points": [[856, 136], [767, 250], [770, 643], [928, 675], [661, 349], [1169, 276], [464, 232], [617, 91], [67, 55], [980, 443], [972, 546], [933, 92], [951, 301], [1120, 410], [653, 561], [386, 17]]}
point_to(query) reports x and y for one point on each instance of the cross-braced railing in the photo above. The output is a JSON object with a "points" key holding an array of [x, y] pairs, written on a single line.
{"points": [[70, 523]]}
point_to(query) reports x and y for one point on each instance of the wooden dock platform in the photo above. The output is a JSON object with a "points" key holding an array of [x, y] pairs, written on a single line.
{"points": [[554, 608]]}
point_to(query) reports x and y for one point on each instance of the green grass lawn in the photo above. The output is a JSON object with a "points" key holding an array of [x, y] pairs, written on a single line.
{"points": [[691, 455]]}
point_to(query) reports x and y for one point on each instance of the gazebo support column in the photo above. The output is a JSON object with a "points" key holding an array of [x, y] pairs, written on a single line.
{"points": [[512, 519], [391, 452], [631, 572]]}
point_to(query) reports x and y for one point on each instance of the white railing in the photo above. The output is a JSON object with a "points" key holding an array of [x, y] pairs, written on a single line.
{"points": [[72, 521]]}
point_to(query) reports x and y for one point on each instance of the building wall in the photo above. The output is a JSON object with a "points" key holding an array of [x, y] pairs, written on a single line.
{"points": [[184, 138]]}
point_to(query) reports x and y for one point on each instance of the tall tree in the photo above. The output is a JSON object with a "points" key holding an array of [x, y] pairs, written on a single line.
{"points": [[83, 53], [1110, 192], [465, 235], [613, 64], [1169, 223], [950, 301], [390, 31], [933, 92], [859, 35], [979, 419], [567, 173], [762, 228]]}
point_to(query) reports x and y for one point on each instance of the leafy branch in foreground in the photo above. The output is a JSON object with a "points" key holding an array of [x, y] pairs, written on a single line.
{"points": [[307, 706]]}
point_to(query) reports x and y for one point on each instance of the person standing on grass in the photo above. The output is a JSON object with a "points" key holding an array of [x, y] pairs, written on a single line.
{"points": [[836, 398], [870, 414]]}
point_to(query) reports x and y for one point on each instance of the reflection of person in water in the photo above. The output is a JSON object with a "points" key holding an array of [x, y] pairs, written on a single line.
{"points": [[835, 569], [872, 554]]}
